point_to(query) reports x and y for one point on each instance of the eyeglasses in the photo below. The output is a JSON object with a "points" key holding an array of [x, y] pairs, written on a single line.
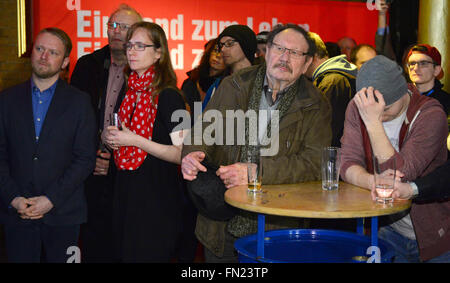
{"points": [[279, 50], [138, 46], [421, 64], [227, 43], [121, 26]]}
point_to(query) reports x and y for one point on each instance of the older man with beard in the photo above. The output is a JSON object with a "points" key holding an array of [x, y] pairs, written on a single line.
{"points": [[304, 128]]}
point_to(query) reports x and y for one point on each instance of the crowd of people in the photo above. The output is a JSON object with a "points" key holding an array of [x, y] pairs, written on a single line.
{"points": [[99, 163]]}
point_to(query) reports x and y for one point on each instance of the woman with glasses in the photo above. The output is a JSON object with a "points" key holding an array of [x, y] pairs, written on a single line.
{"points": [[147, 151], [203, 76]]}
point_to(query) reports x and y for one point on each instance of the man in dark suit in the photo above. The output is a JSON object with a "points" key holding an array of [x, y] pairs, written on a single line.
{"points": [[47, 149], [101, 75]]}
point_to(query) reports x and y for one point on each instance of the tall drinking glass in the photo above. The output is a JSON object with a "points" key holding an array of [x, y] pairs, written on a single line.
{"points": [[384, 178], [254, 173], [331, 164]]}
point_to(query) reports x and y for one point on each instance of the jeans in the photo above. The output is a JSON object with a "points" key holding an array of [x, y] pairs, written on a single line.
{"points": [[405, 249]]}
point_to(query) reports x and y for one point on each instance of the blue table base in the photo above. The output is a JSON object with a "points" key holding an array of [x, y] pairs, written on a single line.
{"points": [[313, 245]]}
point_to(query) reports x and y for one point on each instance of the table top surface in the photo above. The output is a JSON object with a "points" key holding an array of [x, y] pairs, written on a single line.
{"points": [[310, 201]]}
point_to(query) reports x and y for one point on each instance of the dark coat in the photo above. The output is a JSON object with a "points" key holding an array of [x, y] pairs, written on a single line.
{"points": [[91, 75], [55, 166]]}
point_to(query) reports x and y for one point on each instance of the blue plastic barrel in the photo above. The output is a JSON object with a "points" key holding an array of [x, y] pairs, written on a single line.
{"points": [[310, 245]]}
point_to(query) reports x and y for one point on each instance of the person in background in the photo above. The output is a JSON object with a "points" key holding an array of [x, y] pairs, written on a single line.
{"points": [[335, 78], [389, 118], [201, 78], [237, 45], [261, 39], [333, 49], [100, 74], [147, 149], [383, 42], [361, 54], [47, 150], [424, 68], [346, 44]]}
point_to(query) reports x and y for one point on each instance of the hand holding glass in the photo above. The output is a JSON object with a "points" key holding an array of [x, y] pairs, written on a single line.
{"points": [[384, 178]]}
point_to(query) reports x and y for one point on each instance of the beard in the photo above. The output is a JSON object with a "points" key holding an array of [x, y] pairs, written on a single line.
{"points": [[44, 72]]}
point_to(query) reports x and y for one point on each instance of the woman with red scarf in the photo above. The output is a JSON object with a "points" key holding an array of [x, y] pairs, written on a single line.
{"points": [[147, 151]]}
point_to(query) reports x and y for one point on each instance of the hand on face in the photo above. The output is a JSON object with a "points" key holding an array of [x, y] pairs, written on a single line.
{"points": [[370, 110]]}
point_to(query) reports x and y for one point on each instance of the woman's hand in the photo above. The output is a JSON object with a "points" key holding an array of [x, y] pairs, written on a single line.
{"points": [[116, 138]]}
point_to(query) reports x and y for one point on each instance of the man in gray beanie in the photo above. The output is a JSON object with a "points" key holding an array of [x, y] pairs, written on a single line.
{"points": [[240, 55], [390, 118]]}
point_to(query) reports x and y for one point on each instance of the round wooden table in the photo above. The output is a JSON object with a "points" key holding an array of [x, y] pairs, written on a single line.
{"points": [[309, 200]]}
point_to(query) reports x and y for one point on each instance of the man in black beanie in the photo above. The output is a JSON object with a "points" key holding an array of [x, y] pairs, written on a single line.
{"points": [[240, 55], [237, 44]]}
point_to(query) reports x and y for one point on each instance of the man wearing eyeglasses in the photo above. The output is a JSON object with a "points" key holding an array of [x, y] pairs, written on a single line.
{"points": [[425, 71], [303, 129], [101, 75], [237, 45]]}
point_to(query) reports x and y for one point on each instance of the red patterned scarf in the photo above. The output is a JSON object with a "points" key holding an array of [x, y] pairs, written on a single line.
{"points": [[138, 116]]}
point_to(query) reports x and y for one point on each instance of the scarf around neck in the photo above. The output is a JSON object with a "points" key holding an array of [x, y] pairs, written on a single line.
{"points": [[138, 112], [245, 223]]}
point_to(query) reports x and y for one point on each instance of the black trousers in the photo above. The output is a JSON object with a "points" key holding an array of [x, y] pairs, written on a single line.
{"points": [[36, 241], [96, 234]]}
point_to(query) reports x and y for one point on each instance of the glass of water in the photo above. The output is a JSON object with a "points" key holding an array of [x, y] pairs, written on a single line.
{"points": [[384, 178], [331, 164]]}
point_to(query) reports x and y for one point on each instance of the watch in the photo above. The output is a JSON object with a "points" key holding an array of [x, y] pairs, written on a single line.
{"points": [[415, 189]]}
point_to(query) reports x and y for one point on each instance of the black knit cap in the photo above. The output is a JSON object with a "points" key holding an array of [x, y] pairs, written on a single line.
{"points": [[245, 37]]}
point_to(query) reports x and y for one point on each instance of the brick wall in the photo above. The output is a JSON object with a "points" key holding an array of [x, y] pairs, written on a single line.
{"points": [[13, 70]]}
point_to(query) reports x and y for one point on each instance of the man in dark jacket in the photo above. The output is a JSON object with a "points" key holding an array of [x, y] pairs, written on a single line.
{"points": [[100, 74], [335, 78], [47, 150]]}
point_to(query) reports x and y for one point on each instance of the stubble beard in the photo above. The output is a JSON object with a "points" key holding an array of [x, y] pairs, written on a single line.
{"points": [[41, 73]]}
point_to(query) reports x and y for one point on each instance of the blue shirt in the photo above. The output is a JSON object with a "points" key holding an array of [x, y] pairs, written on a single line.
{"points": [[40, 101]]}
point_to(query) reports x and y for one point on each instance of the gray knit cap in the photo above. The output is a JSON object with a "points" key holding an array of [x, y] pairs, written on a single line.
{"points": [[384, 75]]}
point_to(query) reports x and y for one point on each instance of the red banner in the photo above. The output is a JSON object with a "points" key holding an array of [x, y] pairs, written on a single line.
{"points": [[190, 23]]}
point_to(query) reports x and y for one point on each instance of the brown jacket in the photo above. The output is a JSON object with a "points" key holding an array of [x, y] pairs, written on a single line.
{"points": [[303, 131]]}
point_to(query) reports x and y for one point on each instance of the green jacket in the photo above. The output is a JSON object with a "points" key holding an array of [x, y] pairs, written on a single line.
{"points": [[303, 131]]}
